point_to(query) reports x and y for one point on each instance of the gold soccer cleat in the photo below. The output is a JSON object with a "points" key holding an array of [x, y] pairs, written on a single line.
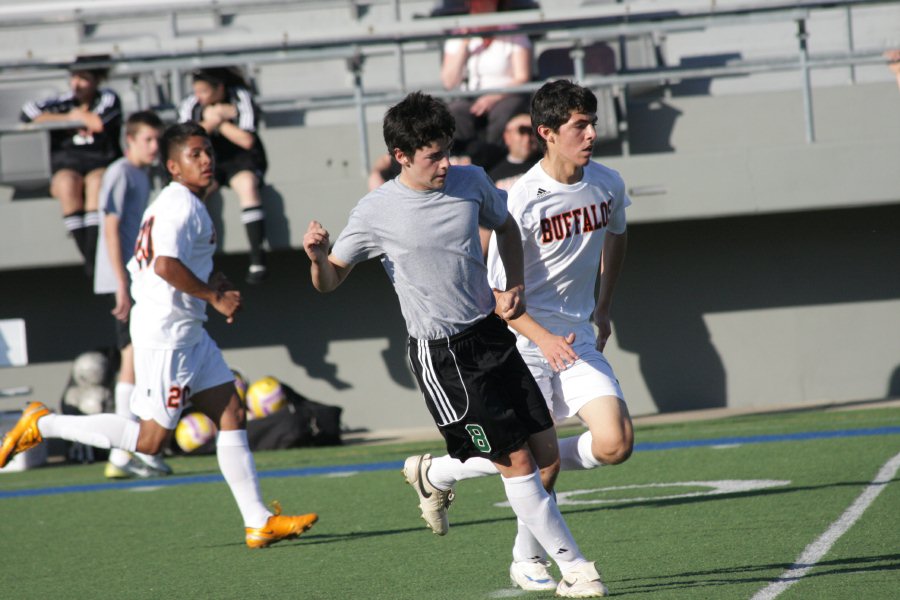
{"points": [[24, 435], [279, 527]]}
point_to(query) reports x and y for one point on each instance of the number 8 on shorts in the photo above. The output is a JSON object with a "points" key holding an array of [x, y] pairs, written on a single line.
{"points": [[479, 438]]}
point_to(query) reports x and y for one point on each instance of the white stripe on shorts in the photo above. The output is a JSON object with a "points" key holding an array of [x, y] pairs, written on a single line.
{"points": [[430, 380]]}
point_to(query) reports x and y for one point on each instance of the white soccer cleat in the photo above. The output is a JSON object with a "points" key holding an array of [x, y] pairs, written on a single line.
{"points": [[133, 468], [432, 501], [155, 463], [582, 582], [531, 576]]}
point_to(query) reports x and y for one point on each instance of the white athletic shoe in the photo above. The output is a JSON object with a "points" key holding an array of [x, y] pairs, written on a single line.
{"points": [[133, 468], [582, 582], [154, 462], [432, 501], [531, 576]]}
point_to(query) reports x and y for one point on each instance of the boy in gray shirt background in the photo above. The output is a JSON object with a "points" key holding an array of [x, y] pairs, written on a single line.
{"points": [[124, 194], [423, 225]]}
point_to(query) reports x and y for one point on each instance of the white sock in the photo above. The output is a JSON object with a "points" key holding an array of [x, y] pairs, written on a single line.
{"points": [[445, 470], [526, 547], [575, 453], [537, 510], [123, 409], [99, 431], [239, 470]]}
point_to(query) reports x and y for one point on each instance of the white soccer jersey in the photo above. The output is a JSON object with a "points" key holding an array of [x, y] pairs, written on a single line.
{"points": [[176, 225], [563, 226]]}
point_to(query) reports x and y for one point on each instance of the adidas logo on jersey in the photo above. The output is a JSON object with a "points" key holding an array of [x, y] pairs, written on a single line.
{"points": [[542, 192]]}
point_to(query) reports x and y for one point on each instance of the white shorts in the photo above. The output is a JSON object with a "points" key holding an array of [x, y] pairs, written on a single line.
{"points": [[165, 379], [568, 391]]}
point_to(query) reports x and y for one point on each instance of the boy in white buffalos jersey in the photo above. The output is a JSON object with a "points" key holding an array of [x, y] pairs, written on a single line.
{"points": [[175, 359], [124, 193], [571, 211], [423, 225]]}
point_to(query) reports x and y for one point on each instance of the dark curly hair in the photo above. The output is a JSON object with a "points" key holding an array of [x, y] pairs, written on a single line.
{"points": [[554, 103], [415, 122]]}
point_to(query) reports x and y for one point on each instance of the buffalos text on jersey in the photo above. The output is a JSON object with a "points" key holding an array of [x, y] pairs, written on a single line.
{"points": [[575, 222]]}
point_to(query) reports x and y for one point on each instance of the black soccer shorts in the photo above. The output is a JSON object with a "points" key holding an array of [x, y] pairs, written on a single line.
{"points": [[479, 390]]}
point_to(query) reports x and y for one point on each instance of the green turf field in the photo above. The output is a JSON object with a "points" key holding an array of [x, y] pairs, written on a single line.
{"points": [[657, 533]]}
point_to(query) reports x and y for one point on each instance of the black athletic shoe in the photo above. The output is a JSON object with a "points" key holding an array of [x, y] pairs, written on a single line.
{"points": [[256, 274]]}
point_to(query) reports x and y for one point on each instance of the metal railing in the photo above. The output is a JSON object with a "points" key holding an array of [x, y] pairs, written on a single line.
{"points": [[576, 27]]}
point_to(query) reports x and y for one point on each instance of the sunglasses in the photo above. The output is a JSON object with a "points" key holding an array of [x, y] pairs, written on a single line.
{"points": [[525, 130]]}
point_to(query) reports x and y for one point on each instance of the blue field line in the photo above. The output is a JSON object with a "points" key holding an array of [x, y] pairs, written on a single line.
{"points": [[389, 465], [764, 439]]}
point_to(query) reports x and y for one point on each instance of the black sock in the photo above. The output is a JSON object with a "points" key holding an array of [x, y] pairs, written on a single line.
{"points": [[91, 231], [254, 221], [74, 223]]}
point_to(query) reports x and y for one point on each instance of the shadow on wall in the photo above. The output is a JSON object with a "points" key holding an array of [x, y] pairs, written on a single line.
{"points": [[285, 310], [676, 272], [893, 388], [278, 226]]}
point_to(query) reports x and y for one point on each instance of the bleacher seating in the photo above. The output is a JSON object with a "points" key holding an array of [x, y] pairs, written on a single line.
{"points": [[300, 55]]}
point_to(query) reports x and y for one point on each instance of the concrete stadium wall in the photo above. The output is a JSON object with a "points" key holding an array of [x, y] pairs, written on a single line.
{"points": [[764, 274], [748, 311]]}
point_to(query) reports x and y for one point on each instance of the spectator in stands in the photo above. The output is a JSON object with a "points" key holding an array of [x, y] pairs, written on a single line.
{"points": [[124, 195], [79, 154], [384, 169], [485, 60], [223, 105], [893, 57], [522, 152]]}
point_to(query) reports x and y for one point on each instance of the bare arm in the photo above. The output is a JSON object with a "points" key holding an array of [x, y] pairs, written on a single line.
{"points": [[89, 121], [556, 349], [236, 135], [521, 65], [612, 260], [511, 302], [225, 301], [117, 261], [453, 67], [326, 271]]}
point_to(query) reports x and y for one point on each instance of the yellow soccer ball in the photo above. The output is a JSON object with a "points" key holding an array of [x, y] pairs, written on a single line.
{"points": [[240, 384], [264, 397], [193, 431]]}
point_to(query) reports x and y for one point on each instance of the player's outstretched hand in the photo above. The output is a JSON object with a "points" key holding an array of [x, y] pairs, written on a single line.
{"points": [[219, 282], [511, 303], [227, 303], [558, 351], [315, 241]]}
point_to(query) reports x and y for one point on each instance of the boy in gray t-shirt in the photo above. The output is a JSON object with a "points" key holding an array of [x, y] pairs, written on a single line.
{"points": [[423, 225], [124, 193]]}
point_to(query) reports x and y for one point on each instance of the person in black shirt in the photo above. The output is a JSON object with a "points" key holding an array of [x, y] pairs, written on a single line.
{"points": [[223, 106], [522, 152], [79, 155]]}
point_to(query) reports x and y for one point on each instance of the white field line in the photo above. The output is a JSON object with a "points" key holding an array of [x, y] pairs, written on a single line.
{"points": [[816, 550]]}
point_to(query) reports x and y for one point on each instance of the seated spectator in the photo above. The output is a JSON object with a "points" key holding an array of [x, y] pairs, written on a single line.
{"points": [[223, 106], [486, 59], [384, 169], [79, 155], [522, 152]]}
